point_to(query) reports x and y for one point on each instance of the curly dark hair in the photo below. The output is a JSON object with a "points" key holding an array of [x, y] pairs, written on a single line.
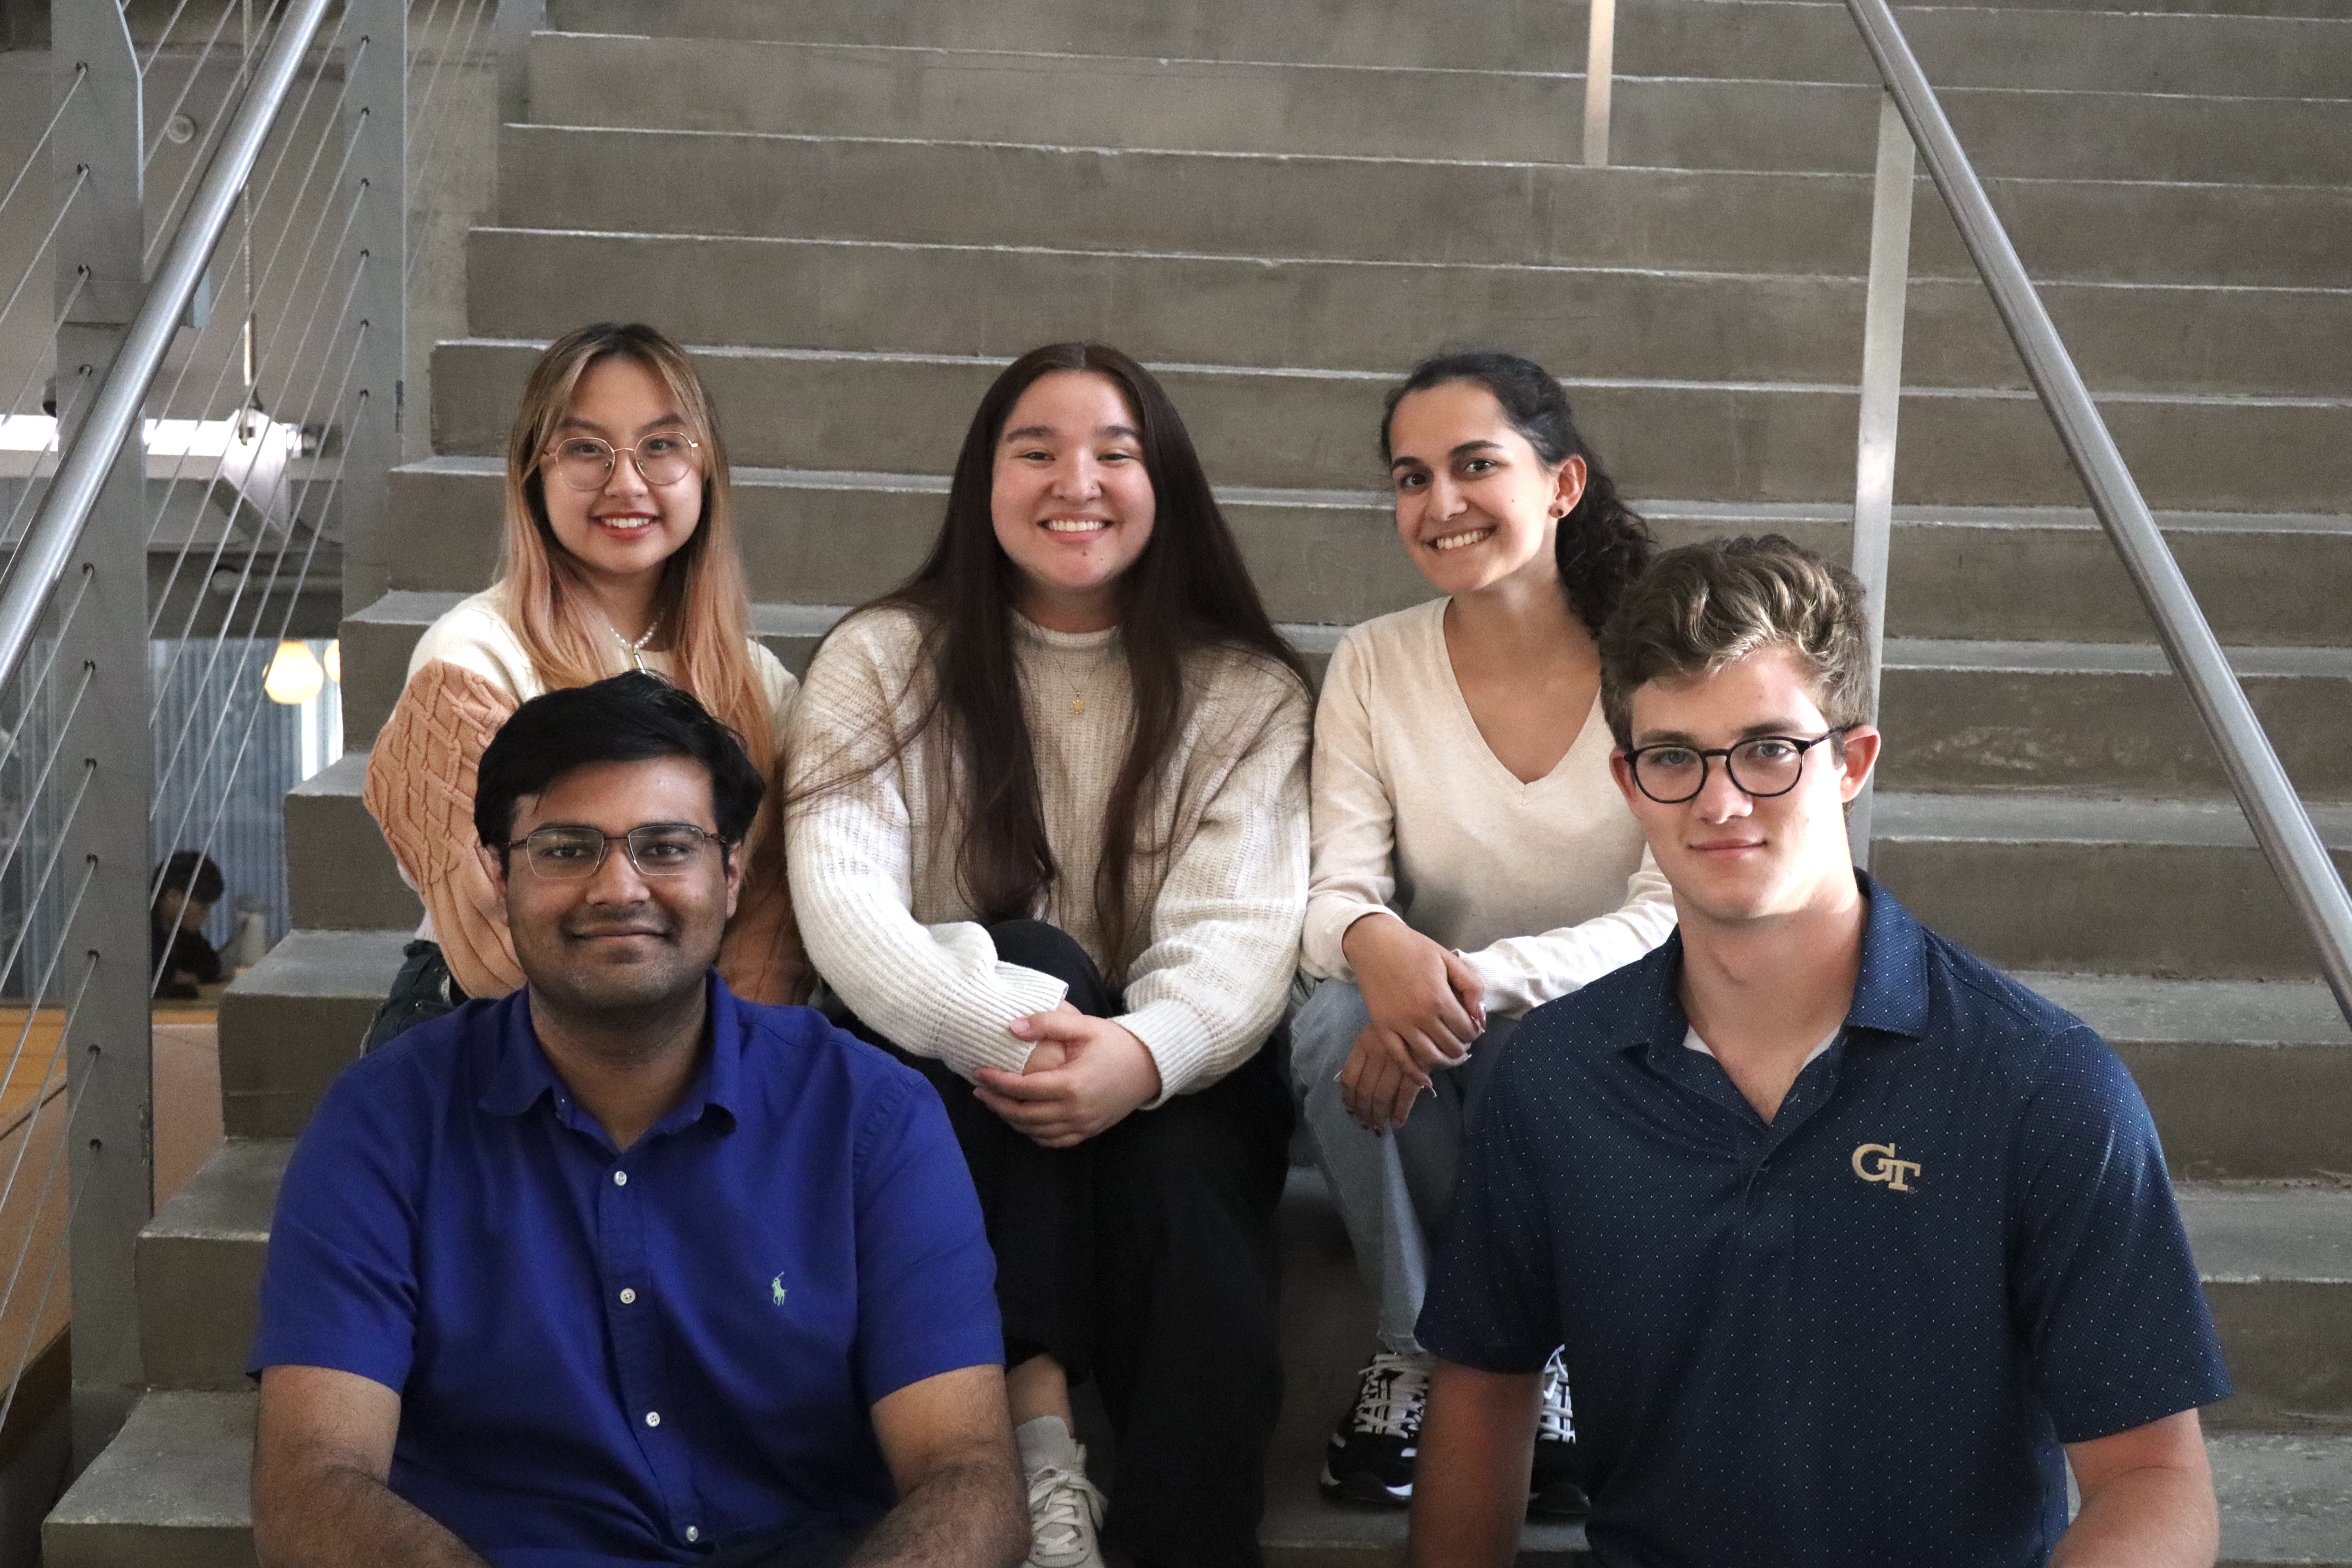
{"points": [[1604, 544]]}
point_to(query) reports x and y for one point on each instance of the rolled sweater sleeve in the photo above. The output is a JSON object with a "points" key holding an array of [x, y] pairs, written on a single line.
{"points": [[1525, 972], [420, 789], [1224, 945], [1354, 820], [849, 847]]}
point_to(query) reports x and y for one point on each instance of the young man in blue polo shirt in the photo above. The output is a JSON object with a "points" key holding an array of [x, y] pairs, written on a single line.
{"points": [[619, 1269], [1855, 1245]]}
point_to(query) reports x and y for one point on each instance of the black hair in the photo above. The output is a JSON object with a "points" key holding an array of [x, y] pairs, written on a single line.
{"points": [[1189, 590], [192, 874], [1604, 544], [631, 718]]}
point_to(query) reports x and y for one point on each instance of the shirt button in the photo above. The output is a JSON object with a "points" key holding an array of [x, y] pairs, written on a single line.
{"points": [[628, 1296], [692, 1535], [653, 1418], [620, 1178]]}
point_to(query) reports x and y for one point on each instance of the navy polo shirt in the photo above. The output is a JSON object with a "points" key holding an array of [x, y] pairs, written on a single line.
{"points": [[1858, 1334], [606, 1357]]}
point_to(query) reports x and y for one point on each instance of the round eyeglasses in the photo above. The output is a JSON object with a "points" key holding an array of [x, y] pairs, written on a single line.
{"points": [[566, 853], [585, 463], [1760, 767]]}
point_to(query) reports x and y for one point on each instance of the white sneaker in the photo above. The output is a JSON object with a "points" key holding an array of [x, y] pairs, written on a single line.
{"points": [[1556, 1480], [1064, 1508]]}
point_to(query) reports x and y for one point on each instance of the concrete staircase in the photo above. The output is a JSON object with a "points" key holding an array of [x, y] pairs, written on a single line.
{"points": [[859, 208]]}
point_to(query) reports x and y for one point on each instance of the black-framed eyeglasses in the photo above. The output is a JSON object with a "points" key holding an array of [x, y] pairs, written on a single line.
{"points": [[1760, 767], [585, 463], [567, 852]]}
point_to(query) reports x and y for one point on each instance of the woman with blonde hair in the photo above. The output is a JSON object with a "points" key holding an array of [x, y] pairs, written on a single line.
{"points": [[620, 554]]}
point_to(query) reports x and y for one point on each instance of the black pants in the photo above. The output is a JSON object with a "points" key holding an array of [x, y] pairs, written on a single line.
{"points": [[1145, 1258], [423, 989]]}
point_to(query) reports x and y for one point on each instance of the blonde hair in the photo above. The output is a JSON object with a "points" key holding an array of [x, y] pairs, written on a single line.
{"points": [[702, 603]]}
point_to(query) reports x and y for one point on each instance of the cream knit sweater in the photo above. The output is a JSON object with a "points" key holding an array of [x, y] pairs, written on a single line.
{"points": [[873, 862], [1542, 886]]}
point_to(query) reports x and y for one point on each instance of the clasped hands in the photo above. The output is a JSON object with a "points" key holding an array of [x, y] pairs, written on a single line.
{"points": [[1083, 1075], [1426, 1005]]}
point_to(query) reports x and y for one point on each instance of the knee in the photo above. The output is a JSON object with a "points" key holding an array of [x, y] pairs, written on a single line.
{"points": [[1044, 947], [1322, 1033]]}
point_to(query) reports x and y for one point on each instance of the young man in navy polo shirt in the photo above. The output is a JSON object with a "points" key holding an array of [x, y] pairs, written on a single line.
{"points": [[1855, 1245], [619, 1269]]}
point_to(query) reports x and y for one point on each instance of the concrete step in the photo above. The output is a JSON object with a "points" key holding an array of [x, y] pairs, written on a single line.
{"points": [[337, 880], [2006, 46], [1098, 198], [170, 1491], [1279, 428], [1536, 115], [2276, 1260], [2175, 888], [2246, 1079], [1249, 310], [290, 1023], [1325, 556], [2100, 718], [1961, 716], [200, 1269]]}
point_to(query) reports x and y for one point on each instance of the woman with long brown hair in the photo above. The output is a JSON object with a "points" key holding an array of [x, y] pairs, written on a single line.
{"points": [[620, 554], [1047, 831]]}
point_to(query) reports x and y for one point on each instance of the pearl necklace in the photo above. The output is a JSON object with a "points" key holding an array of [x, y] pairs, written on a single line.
{"points": [[635, 650]]}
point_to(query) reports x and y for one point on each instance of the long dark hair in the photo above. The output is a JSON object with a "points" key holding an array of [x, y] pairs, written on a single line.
{"points": [[1188, 591], [1603, 543]]}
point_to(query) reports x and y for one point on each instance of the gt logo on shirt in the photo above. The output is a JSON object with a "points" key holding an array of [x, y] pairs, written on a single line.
{"points": [[776, 1289], [1876, 1162]]}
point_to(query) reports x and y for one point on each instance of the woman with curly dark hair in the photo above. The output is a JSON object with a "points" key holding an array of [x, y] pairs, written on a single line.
{"points": [[1471, 858]]}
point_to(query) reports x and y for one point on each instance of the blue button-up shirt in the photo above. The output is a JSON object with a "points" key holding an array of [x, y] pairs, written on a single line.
{"points": [[608, 1357], [1857, 1333]]}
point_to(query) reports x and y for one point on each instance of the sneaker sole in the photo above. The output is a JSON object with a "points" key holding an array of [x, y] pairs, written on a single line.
{"points": [[1363, 1489]]}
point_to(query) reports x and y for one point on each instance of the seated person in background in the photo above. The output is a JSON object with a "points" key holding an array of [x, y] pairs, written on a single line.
{"points": [[179, 959], [1855, 1244], [619, 1269]]}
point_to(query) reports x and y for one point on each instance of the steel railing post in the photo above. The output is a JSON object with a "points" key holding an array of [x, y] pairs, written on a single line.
{"points": [[1600, 66], [1882, 402], [2281, 826], [371, 415], [98, 146]]}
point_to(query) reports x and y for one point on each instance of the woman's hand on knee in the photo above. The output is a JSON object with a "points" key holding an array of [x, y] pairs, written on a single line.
{"points": [[1382, 1079], [1104, 1074], [1415, 989]]}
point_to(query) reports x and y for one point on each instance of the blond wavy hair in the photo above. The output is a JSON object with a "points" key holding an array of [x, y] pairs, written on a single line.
{"points": [[703, 606]]}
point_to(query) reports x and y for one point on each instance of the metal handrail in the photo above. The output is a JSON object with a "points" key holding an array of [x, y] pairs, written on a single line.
{"points": [[2281, 825], [114, 414]]}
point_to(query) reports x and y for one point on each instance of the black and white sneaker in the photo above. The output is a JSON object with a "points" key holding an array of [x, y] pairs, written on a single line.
{"points": [[1556, 1482], [1372, 1450]]}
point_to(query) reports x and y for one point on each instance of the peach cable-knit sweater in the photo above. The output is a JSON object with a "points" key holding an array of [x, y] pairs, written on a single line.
{"points": [[469, 672]]}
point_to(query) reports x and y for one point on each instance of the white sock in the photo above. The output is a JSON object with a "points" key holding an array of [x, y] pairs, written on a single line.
{"points": [[1045, 1444]]}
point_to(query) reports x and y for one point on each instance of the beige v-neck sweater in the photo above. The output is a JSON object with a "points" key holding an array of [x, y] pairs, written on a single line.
{"points": [[1543, 887], [874, 863]]}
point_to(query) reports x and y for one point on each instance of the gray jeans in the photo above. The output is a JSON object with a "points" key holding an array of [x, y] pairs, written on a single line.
{"points": [[1392, 1188]]}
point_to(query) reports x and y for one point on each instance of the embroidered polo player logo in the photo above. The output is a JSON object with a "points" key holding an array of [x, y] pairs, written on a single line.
{"points": [[1876, 1162], [776, 1289]]}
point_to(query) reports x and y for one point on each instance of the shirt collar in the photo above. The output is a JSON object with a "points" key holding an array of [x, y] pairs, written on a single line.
{"points": [[521, 1076], [1890, 997]]}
